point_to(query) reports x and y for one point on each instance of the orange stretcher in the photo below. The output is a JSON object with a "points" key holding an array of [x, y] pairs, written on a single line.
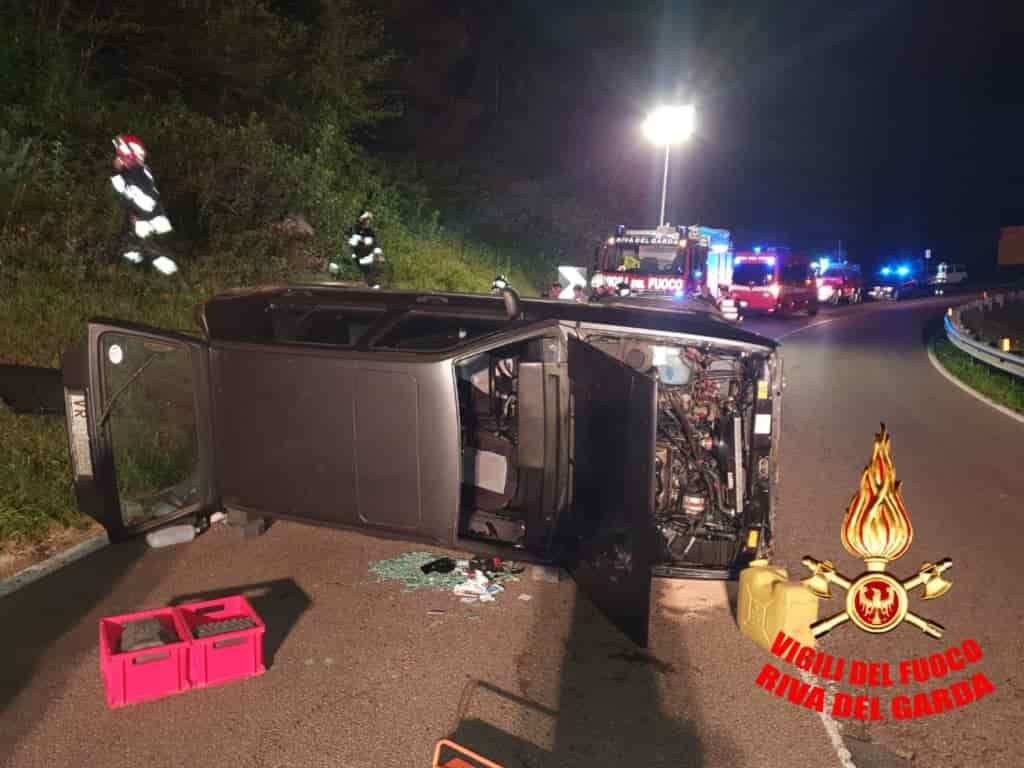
{"points": [[459, 762]]}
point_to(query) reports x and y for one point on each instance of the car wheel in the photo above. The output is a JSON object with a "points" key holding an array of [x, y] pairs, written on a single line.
{"points": [[812, 308]]}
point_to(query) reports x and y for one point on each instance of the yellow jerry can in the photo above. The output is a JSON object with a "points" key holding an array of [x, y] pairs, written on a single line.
{"points": [[769, 602]]}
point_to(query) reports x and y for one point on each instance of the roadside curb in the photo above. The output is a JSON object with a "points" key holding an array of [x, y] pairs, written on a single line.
{"points": [[35, 572], [938, 366]]}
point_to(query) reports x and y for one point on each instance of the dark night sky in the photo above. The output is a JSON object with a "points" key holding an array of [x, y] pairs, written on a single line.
{"points": [[893, 125]]}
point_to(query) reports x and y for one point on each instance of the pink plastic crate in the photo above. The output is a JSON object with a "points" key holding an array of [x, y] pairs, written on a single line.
{"points": [[228, 656], [146, 674]]}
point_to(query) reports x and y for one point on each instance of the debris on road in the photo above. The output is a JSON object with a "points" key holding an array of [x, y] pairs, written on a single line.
{"points": [[478, 579], [475, 584], [408, 569], [441, 565], [170, 535], [478, 586], [484, 578]]}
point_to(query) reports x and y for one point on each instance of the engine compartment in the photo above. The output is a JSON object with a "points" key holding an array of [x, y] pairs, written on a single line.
{"points": [[706, 402]]}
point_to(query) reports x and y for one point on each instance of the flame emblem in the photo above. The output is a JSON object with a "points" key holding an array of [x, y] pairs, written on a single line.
{"points": [[877, 530], [877, 527]]}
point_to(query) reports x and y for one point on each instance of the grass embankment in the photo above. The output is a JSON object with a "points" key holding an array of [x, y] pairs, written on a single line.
{"points": [[990, 382], [47, 299]]}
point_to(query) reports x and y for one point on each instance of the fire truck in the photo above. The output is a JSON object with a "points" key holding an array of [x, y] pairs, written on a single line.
{"points": [[672, 260]]}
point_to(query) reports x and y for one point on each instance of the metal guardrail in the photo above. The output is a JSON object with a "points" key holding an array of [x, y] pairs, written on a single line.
{"points": [[966, 340]]}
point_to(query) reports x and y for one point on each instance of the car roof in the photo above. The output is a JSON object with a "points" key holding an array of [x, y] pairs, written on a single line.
{"points": [[221, 313]]}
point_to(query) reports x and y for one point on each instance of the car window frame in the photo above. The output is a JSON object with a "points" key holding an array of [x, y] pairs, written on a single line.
{"points": [[373, 343], [311, 309]]}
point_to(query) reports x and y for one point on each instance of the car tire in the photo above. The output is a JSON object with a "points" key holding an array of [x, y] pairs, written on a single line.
{"points": [[812, 308]]}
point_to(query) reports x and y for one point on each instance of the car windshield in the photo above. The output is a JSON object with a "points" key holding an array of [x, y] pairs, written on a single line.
{"points": [[752, 274], [646, 259]]}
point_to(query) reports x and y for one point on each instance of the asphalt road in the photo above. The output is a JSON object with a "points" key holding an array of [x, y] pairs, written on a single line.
{"points": [[362, 674]]}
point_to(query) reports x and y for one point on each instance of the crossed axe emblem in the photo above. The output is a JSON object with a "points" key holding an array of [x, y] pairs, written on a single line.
{"points": [[824, 574]]}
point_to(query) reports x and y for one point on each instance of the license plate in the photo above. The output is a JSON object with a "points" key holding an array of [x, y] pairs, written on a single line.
{"points": [[78, 431]]}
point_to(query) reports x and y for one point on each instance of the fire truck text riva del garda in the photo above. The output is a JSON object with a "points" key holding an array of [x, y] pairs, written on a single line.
{"points": [[672, 260]]}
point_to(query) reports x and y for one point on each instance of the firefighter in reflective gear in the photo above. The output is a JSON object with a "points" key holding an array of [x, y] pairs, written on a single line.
{"points": [[500, 283], [366, 251], [146, 217]]}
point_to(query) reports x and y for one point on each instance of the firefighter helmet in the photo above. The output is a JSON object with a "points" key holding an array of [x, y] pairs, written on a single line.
{"points": [[130, 149]]}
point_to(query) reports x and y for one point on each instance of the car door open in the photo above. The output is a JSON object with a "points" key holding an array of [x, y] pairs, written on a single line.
{"points": [[610, 530], [137, 408]]}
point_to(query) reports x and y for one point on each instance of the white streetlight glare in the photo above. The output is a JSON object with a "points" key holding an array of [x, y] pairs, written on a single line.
{"points": [[664, 127], [670, 125]]}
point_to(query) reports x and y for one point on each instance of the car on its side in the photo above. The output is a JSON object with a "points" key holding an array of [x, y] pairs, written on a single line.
{"points": [[619, 440]]}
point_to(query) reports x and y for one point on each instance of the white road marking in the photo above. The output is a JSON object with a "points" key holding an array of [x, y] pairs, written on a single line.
{"points": [[806, 327], [977, 395], [684, 599], [48, 566], [831, 726]]}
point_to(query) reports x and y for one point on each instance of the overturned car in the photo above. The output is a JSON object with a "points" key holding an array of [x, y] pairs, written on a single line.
{"points": [[620, 440]]}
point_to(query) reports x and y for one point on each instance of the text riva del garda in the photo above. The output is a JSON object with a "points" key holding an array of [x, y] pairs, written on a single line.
{"points": [[954, 661]]}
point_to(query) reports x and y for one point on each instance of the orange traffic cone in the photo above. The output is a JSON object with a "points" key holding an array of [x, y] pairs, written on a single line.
{"points": [[458, 762]]}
